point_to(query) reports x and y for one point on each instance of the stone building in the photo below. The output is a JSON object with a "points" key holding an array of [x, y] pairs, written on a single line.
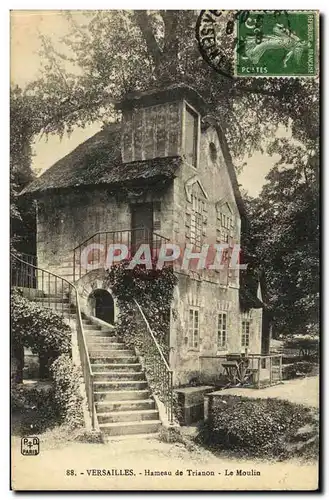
{"points": [[165, 167]]}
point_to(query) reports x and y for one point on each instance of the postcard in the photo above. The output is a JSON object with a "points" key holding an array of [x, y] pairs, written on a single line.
{"points": [[164, 182]]}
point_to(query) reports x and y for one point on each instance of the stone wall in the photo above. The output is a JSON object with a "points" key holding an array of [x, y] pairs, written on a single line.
{"points": [[209, 290], [66, 219]]}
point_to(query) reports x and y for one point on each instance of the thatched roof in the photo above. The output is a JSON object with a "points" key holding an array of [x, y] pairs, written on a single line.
{"points": [[98, 161]]}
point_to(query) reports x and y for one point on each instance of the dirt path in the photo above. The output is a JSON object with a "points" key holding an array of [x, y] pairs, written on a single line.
{"points": [[302, 391], [48, 470]]}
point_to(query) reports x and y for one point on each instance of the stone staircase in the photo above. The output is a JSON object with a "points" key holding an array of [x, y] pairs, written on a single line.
{"points": [[123, 401]]}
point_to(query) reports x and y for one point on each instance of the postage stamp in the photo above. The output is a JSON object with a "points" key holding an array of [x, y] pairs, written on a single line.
{"points": [[259, 43], [275, 44]]}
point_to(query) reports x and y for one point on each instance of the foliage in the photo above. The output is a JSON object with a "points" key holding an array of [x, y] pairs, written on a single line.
{"points": [[38, 328], [153, 290], [67, 379], [282, 237], [80, 80], [256, 427], [23, 112], [36, 407], [307, 345], [299, 369]]}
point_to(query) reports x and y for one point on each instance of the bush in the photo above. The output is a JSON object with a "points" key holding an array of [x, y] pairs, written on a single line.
{"points": [[68, 400], [36, 407], [298, 369], [40, 329], [255, 427], [306, 345]]}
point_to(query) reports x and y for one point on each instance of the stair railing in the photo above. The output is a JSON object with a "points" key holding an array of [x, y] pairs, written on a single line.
{"points": [[54, 292], [131, 238], [160, 373]]}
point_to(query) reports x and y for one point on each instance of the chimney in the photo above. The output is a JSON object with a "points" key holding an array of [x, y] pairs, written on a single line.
{"points": [[154, 122]]}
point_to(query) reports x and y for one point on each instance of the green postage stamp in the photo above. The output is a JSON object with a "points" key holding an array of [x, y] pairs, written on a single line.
{"points": [[277, 43]]}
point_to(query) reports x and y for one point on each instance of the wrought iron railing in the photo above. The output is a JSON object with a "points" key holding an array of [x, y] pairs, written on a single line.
{"points": [[92, 253], [160, 376], [54, 292]]}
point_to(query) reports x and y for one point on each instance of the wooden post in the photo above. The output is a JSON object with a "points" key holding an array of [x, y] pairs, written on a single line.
{"points": [[280, 368], [270, 370], [259, 366]]}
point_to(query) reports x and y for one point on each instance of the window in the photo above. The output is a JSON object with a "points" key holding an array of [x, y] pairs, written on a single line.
{"points": [[196, 222], [193, 327], [245, 338], [191, 135], [222, 331]]}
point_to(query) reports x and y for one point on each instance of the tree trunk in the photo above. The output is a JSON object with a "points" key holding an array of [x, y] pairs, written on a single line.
{"points": [[17, 364]]}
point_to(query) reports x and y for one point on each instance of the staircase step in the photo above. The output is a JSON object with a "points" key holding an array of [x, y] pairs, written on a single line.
{"points": [[115, 375], [103, 358], [92, 327], [131, 405], [119, 385], [52, 300], [109, 352], [121, 395], [100, 345], [127, 416], [100, 333], [118, 367], [124, 428]]}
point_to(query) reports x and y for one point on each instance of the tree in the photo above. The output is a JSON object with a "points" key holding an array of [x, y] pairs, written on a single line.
{"points": [[284, 238], [22, 130], [109, 53]]}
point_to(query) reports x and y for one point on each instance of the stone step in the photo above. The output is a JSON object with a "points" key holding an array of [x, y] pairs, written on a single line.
{"points": [[115, 375], [101, 358], [100, 333], [100, 352], [53, 300], [131, 405], [124, 428], [117, 367], [91, 327], [121, 395], [127, 416], [97, 345], [119, 385]]}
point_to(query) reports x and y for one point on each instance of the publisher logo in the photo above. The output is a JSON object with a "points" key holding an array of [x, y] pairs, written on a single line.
{"points": [[30, 446]]}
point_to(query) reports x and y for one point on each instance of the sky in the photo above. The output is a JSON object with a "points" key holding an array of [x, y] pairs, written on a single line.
{"points": [[26, 27]]}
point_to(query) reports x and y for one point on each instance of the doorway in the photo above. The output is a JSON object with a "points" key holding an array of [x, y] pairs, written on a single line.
{"points": [[141, 224], [103, 305]]}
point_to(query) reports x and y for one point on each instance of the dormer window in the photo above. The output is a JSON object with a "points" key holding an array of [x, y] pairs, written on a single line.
{"points": [[191, 135]]}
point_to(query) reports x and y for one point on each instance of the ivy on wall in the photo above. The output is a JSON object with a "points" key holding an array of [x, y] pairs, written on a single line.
{"points": [[153, 289]]}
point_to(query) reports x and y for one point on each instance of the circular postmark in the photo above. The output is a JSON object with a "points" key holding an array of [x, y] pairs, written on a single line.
{"points": [[258, 43]]}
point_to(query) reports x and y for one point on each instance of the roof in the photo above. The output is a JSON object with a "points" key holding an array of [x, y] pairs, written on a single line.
{"points": [[98, 161]]}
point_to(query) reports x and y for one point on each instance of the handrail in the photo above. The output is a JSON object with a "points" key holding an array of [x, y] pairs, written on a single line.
{"points": [[82, 344], [132, 238], [161, 373], [152, 335], [103, 232]]}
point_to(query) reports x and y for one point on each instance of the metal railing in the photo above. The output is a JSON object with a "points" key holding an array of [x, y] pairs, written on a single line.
{"points": [[160, 376], [86, 258], [54, 292]]}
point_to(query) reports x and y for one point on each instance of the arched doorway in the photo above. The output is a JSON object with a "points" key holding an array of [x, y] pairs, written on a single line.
{"points": [[103, 305]]}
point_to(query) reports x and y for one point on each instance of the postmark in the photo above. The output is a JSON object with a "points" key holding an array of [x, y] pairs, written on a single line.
{"points": [[259, 43]]}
